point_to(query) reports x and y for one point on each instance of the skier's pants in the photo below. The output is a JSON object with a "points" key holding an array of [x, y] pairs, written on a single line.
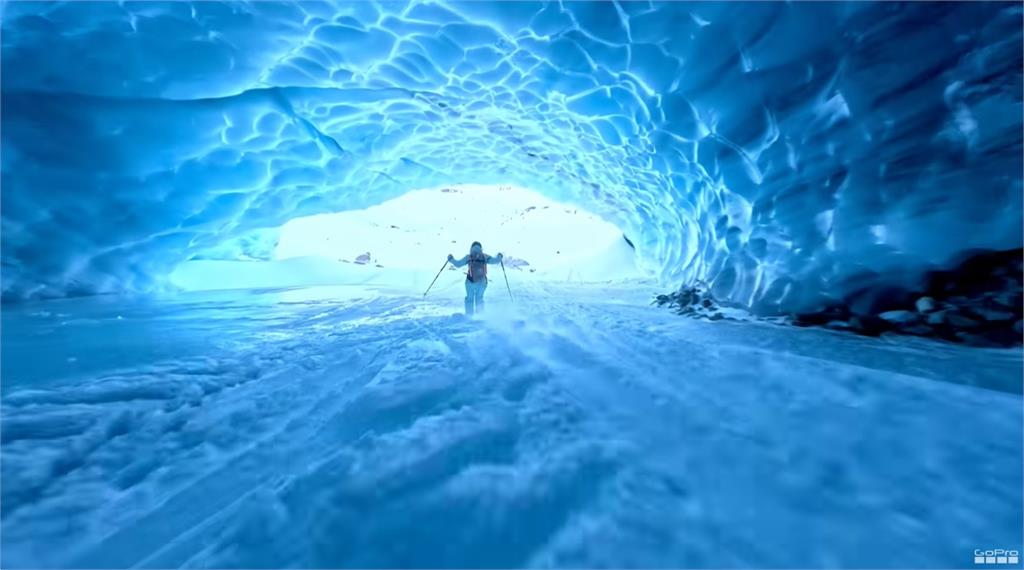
{"points": [[475, 296]]}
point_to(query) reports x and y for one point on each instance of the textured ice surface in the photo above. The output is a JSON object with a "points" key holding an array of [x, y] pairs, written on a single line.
{"points": [[771, 148], [352, 428]]}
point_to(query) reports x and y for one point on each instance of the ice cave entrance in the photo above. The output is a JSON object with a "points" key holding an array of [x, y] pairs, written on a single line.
{"points": [[403, 242]]}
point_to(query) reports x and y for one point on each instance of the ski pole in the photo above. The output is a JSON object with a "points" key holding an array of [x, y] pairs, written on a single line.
{"points": [[506, 281], [435, 277]]}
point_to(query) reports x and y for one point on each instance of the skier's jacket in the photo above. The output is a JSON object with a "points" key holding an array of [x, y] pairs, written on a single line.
{"points": [[477, 267]]}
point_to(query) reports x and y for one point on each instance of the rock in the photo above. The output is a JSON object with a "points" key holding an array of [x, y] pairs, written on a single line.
{"points": [[823, 316], [875, 300], [937, 318], [899, 317], [978, 301], [919, 330], [972, 339], [995, 338], [838, 325], [869, 325], [992, 315], [981, 271], [961, 321], [978, 272], [1002, 336], [810, 319], [1009, 299], [925, 305]]}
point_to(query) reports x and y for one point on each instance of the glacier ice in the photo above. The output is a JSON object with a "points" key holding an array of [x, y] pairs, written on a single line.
{"points": [[770, 153], [772, 149]]}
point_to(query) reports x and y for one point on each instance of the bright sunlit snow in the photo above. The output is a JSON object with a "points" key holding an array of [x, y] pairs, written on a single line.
{"points": [[406, 240], [420, 228]]}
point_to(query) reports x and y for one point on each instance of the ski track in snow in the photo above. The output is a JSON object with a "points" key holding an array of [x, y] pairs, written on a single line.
{"points": [[575, 428]]}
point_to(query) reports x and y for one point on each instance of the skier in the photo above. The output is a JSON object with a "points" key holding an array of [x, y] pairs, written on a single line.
{"points": [[476, 276]]}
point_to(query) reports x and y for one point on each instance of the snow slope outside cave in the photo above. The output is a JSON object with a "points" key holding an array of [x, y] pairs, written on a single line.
{"points": [[402, 243]]}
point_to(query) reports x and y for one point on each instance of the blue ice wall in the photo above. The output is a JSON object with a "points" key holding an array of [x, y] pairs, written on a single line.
{"points": [[772, 149]]}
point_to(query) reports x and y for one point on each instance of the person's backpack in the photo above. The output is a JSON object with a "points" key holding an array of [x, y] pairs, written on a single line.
{"points": [[477, 267]]}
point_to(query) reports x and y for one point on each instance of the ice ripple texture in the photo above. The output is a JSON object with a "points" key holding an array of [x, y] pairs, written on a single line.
{"points": [[771, 149]]}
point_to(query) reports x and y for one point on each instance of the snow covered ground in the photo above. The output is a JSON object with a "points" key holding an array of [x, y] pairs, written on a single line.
{"points": [[364, 427]]}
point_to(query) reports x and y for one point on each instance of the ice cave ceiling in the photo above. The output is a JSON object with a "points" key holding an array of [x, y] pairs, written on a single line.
{"points": [[772, 149]]}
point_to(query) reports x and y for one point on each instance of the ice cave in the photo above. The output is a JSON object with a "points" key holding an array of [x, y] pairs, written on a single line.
{"points": [[752, 271]]}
